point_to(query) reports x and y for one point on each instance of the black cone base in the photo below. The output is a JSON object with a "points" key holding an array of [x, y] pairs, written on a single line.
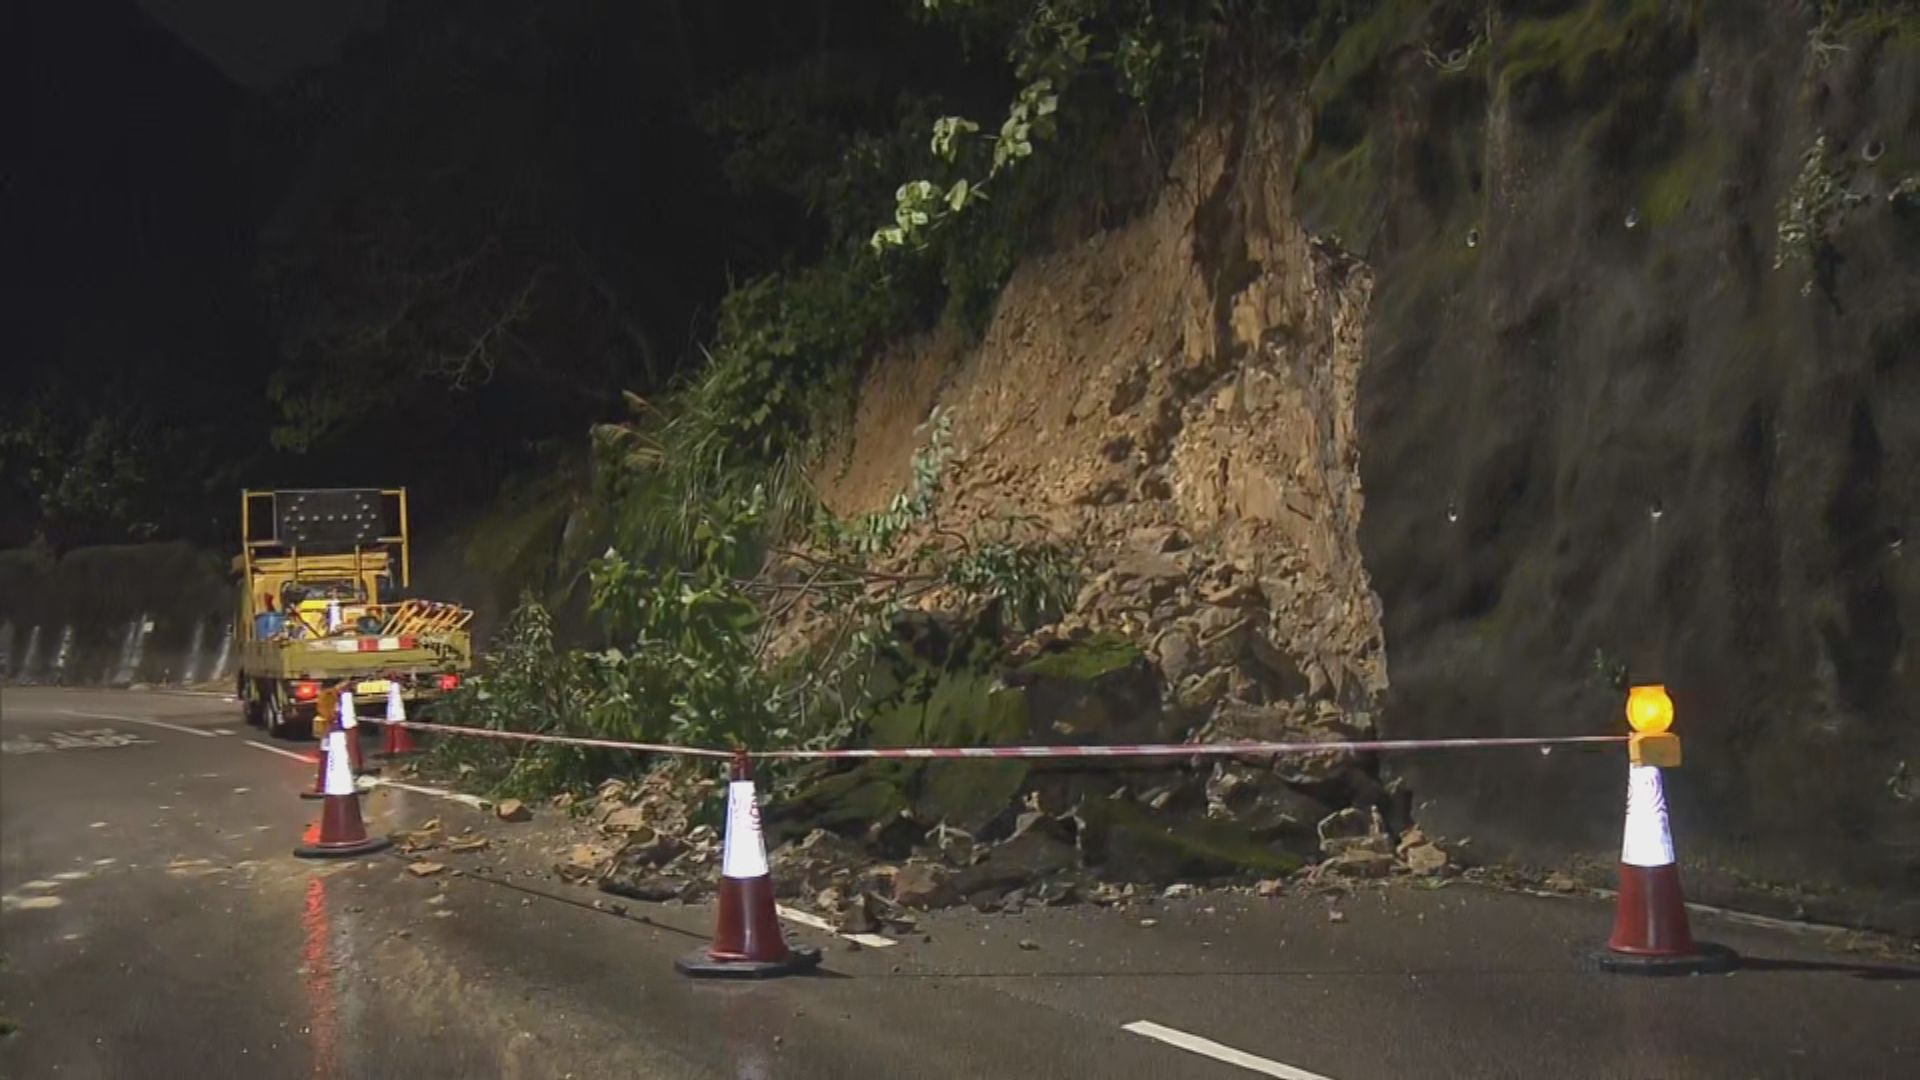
{"points": [[799, 960], [340, 851], [1706, 959]]}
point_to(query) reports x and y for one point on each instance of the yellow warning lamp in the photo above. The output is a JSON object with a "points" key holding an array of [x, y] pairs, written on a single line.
{"points": [[1650, 713]]}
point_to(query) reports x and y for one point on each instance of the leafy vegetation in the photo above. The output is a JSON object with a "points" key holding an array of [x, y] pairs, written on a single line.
{"points": [[1811, 209], [684, 640]]}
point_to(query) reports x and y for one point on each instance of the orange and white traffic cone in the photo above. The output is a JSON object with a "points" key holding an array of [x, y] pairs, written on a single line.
{"points": [[747, 943], [326, 717], [319, 788], [350, 723], [399, 740], [340, 832], [1651, 934]]}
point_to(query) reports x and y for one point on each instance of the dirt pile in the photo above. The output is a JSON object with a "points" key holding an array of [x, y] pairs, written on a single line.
{"points": [[1173, 401]]}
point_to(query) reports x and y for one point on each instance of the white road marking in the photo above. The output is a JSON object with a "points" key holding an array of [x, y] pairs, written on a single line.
{"points": [[224, 731], [301, 758], [138, 720], [816, 922], [1218, 1051], [420, 789]]}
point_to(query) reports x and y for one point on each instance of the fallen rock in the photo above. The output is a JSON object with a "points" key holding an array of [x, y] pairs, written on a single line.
{"points": [[1130, 843], [653, 888], [468, 843], [582, 862], [1561, 882], [1426, 860], [1159, 539], [1270, 887], [1352, 829], [412, 842], [626, 819], [1029, 945], [1147, 566], [1030, 856], [648, 848], [425, 869], [512, 810], [923, 885], [1360, 862], [1177, 655], [861, 917], [1056, 893], [987, 901]]}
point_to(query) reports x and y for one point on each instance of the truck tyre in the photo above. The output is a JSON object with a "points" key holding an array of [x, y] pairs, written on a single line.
{"points": [[279, 717], [250, 706]]}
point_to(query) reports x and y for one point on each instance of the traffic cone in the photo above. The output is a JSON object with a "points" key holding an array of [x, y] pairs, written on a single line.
{"points": [[1650, 931], [340, 832], [319, 788], [399, 740], [350, 723], [747, 943]]}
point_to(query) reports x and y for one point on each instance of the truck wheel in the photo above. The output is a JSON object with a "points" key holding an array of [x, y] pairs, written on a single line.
{"points": [[250, 706], [279, 718]]}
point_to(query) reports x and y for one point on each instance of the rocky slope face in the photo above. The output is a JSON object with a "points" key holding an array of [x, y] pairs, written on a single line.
{"points": [[1510, 273], [1174, 397]]}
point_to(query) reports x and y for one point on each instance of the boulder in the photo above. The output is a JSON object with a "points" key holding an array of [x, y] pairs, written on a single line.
{"points": [[923, 885], [653, 888], [1426, 860], [1360, 863], [1129, 843], [1028, 857], [1177, 654]]}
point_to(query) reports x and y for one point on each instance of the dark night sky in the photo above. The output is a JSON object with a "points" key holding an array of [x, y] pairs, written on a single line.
{"points": [[204, 199]]}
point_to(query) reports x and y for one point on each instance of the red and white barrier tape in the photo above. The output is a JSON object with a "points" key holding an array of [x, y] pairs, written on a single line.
{"points": [[1143, 750]]}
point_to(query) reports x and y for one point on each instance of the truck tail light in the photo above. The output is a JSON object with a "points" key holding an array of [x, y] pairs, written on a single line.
{"points": [[306, 690], [449, 681]]}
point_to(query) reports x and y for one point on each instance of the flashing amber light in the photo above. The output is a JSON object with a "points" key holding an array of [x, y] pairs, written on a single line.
{"points": [[306, 691], [1649, 709]]}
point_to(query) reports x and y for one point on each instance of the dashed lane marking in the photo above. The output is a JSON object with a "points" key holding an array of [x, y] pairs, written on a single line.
{"points": [[1218, 1051], [874, 941], [140, 720]]}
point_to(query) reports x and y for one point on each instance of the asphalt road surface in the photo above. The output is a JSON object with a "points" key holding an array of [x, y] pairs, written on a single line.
{"points": [[155, 924]]}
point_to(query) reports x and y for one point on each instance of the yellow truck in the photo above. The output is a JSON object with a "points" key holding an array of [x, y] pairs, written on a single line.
{"points": [[323, 606]]}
